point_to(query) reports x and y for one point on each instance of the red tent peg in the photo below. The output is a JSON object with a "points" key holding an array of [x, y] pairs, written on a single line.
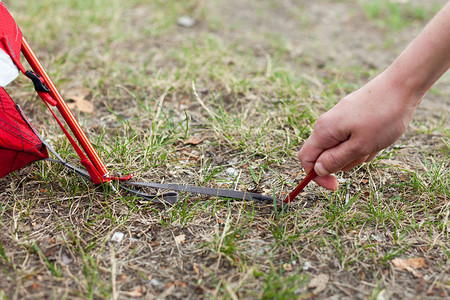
{"points": [[311, 175]]}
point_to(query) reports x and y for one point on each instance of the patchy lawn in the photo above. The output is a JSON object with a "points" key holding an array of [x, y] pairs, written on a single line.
{"points": [[225, 102]]}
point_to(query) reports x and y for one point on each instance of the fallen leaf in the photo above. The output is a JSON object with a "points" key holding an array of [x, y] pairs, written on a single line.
{"points": [[36, 287], [362, 275], [190, 155], [122, 278], [196, 269], [410, 264], [82, 105], [77, 99], [193, 140], [319, 283], [136, 293], [185, 101], [180, 239], [77, 92], [287, 267], [415, 263]]}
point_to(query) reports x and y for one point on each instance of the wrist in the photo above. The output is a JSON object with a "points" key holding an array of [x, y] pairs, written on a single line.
{"points": [[409, 83], [418, 67]]}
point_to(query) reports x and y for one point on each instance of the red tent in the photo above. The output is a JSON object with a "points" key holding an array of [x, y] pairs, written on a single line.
{"points": [[19, 144]]}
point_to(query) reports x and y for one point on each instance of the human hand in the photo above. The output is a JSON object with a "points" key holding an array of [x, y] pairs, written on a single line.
{"points": [[357, 128]]}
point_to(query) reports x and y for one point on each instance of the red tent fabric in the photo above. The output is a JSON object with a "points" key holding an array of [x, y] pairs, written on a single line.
{"points": [[10, 36], [19, 143]]}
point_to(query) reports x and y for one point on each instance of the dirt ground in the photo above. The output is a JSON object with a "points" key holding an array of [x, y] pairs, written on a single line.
{"points": [[326, 39], [338, 35]]}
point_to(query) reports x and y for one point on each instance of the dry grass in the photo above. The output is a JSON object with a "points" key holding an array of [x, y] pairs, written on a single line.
{"points": [[248, 81]]}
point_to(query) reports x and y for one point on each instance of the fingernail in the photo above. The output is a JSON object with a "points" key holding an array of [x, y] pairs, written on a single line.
{"points": [[320, 170]]}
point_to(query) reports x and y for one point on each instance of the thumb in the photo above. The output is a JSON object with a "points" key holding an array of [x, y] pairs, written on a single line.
{"points": [[336, 158]]}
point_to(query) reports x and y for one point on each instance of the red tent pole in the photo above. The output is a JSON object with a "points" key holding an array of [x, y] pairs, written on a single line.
{"points": [[65, 110]]}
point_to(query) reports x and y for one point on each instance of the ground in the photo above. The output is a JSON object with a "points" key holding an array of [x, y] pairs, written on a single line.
{"points": [[240, 89]]}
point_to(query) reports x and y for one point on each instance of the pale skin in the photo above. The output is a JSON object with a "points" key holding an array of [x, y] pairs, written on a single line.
{"points": [[375, 116]]}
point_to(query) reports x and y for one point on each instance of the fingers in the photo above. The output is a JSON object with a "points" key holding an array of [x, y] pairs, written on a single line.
{"points": [[371, 157], [308, 154], [344, 156], [340, 158], [329, 182], [355, 163], [359, 161], [318, 141]]}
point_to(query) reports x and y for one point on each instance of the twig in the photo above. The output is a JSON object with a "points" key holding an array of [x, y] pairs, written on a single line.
{"points": [[197, 97]]}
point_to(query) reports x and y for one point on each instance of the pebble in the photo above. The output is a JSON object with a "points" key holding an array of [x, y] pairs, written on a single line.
{"points": [[117, 237], [156, 283], [377, 237], [186, 21], [232, 172]]}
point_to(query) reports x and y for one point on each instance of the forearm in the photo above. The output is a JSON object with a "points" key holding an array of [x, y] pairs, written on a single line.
{"points": [[373, 117], [424, 60]]}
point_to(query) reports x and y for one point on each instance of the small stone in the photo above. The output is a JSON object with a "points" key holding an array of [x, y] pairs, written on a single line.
{"points": [[156, 283], [382, 295], [232, 172], [186, 21], [117, 237], [378, 237], [66, 259], [306, 266]]}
